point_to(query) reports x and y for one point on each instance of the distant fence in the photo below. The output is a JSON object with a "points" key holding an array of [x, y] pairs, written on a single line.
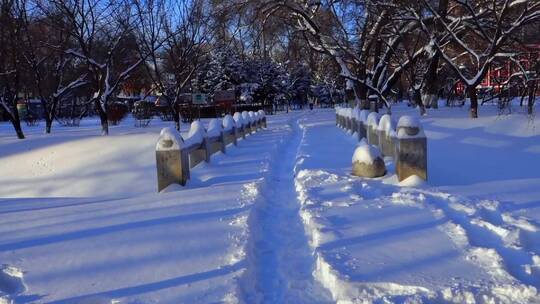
{"points": [[405, 142], [175, 156]]}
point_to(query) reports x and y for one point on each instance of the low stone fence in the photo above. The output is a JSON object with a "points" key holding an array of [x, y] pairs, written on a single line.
{"points": [[405, 142], [175, 156]]}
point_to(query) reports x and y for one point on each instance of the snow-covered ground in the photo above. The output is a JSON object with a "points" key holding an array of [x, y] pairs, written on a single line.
{"points": [[277, 219]]}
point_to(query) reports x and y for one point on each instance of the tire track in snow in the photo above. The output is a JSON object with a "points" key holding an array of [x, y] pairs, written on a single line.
{"points": [[281, 262]]}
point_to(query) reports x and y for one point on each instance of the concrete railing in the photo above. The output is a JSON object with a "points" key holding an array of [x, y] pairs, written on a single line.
{"points": [[175, 156], [405, 142]]}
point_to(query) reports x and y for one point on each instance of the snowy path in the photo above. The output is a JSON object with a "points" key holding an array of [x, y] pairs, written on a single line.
{"points": [[281, 260], [379, 242]]}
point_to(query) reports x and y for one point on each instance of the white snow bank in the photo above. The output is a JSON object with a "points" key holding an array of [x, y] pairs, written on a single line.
{"points": [[366, 154], [228, 122], [214, 128], [373, 120], [196, 134], [169, 139], [239, 120]]}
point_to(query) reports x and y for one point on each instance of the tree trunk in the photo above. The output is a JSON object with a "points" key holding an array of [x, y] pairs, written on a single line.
{"points": [[532, 96], [48, 124], [17, 126], [103, 118], [474, 101], [417, 97]]}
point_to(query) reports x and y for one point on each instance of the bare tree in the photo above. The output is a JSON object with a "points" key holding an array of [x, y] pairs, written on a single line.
{"points": [[175, 40], [54, 73], [11, 61], [477, 33]]}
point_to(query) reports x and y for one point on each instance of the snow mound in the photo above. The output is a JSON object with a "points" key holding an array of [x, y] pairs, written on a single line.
{"points": [[214, 128], [238, 119], [196, 133], [366, 154], [169, 139], [412, 181], [11, 280], [228, 123], [373, 119], [386, 124]]}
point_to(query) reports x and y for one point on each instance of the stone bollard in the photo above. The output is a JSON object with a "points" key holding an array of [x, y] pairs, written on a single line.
{"points": [[229, 130], [367, 161], [372, 126], [240, 128], [363, 123], [172, 168], [262, 115], [386, 135], [411, 149]]}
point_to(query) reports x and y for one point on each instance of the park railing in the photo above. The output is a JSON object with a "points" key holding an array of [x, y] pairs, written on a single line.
{"points": [[175, 156], [405, 142]]}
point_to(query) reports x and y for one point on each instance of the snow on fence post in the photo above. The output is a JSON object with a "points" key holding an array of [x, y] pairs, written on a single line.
{"points": [[229, 130], [215, 138], [247, 122], [372, 126], [196, 144], [172, 167], [263, 118], [240, 128], [411, 150], [363, 123], [387, 136]]}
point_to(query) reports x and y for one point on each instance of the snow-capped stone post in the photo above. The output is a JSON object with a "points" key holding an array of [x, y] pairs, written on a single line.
{"points": [[387, 136], [240, 128], [215, 137], [348, 124], [411, 150], [172, 168], [246, 122], [229, 130], [263, 118], [252, 121], [367, 161], [363, 123], [372, 126], [355, 120], [196, 144]]}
